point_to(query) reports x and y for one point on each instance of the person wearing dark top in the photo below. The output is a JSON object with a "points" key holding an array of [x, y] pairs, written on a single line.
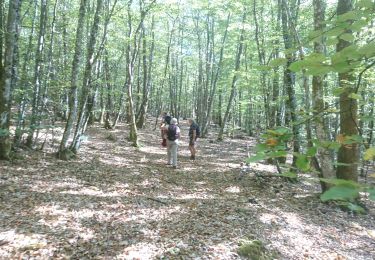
{"points": [[193, 135], [166, 119]]}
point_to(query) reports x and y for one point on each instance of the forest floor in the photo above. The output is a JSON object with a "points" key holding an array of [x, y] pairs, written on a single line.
{"points": [[115, 201]]}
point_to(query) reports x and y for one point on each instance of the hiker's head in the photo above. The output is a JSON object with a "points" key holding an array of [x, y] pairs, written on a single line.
{"points": [[173, 121], [191, 121], [168, 119]]}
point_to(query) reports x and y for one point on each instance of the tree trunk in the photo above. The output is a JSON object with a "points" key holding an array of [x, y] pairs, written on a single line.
{"points": [[38, 72], [348, 154], [234, 81], [214, 81], [146, 76], [6, 74], [86, 86], [24, 82], [289, 76], [73, 95], [323, 156]]}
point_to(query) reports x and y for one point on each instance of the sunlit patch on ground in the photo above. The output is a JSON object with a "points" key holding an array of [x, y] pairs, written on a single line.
{"points": [[139, 251], [233, 189]]}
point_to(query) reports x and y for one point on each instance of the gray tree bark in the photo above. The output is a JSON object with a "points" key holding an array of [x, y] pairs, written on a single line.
{"points": [[73, 95], [325, 166], [7, 71]]}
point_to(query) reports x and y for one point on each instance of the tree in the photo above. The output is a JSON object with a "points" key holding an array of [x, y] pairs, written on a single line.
{"points": [[348, 154], [73, 95], [7, 72], [324, 163], [234, 79]]}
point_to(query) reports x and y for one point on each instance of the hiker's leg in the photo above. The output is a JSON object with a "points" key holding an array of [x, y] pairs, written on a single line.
{"points": [[169, 148], [192, 149], [195, 148], [174, 149]]}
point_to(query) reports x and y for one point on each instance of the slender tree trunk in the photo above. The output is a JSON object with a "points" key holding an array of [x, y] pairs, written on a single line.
{"points": [[291, 103], [348, 154], [325, 166], [146, 75], [262, 61], [24, 82], [38, 72], [87, 77], [214, 80], [234, 81], [73, 95]]}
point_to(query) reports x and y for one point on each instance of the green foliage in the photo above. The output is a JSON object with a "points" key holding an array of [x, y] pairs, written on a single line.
{"points": [[4, 132], [369, 154], [277, 62], [303, 163], [344, 28], [273, 146], [343, 193], [254, 249]]}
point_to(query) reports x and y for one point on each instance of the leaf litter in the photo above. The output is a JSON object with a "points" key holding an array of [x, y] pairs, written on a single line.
{"points": [[115, 201]]}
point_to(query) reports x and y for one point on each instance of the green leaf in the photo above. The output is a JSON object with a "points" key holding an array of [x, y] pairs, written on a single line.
{"points": [[330, 145], [369, 154], [257, 157], [368, 49], [351, 52], [261, 147], [335, 32], [315, 34], [303, 163], [289, 175], [347, 37], [297, 65], [371, 194], [332, 41], [341, 182], [365, 4], [277, 154], [353, 139], [344, 193], [277, 62], [341, 164], [355, 208], [338, 91], [282, 130], [358, 25], [315, 58], [318, 70], [351, 15], [312, 151], [263, 67], [366, 118], [354, 96], [341, 67], [4, 132]]}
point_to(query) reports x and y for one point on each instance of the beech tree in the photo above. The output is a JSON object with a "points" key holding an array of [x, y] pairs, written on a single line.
{"points": [[8, 72]]}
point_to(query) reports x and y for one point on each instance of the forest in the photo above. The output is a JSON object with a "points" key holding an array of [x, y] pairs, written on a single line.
{"points": [[283, 93]]}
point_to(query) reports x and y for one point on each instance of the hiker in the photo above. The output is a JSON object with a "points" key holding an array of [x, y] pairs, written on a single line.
{"points": [[173, 134], [194, 133], [166, 119]]}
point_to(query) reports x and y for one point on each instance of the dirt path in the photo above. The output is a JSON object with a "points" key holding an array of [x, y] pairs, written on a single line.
{"points": [[119, 202]]}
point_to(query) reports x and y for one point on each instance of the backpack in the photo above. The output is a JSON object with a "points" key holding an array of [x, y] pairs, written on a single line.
{"points": [[198, 131], [172, 133]]}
